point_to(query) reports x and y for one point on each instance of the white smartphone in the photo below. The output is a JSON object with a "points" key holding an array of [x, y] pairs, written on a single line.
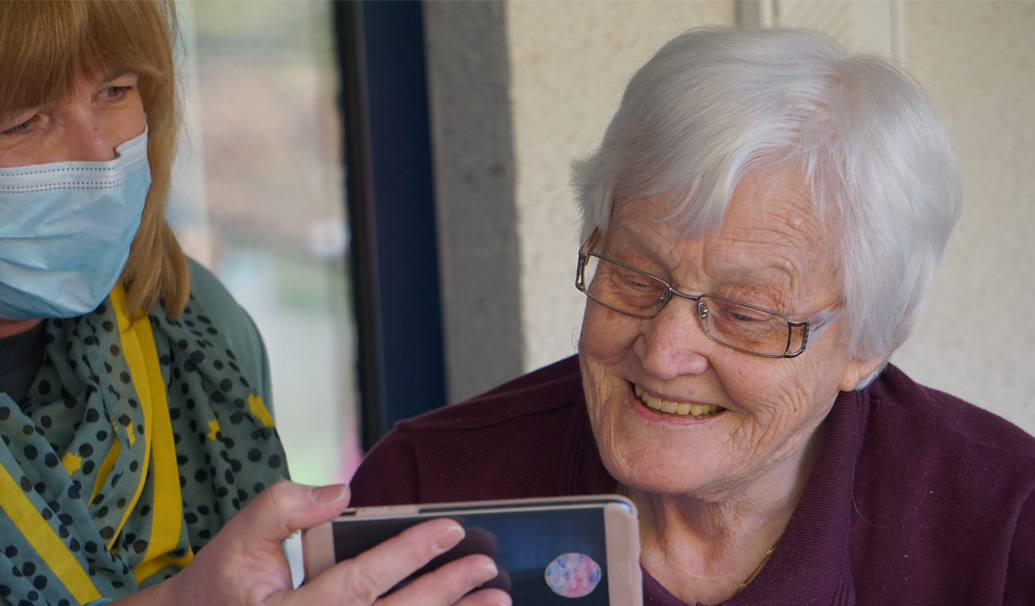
{"points": [[549, 551]]}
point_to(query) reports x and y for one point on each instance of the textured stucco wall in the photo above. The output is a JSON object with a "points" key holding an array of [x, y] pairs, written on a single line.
{"points": [[570, 62], [977, 337]]}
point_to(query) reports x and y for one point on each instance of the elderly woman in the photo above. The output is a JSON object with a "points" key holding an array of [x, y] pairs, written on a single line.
{"points": [[760, 226], [132, 386]]}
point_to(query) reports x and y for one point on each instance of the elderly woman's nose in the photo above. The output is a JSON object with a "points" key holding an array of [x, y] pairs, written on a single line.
{"points": [[672, 343]]}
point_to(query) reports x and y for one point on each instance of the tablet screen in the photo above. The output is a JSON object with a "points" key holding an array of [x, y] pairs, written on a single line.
{"points": [[545, 557]]}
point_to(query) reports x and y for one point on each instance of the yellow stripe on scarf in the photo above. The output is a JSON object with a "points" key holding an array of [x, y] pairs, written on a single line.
{"points": [[132, 349], [44, 540], [105, 468], [138, 346]]}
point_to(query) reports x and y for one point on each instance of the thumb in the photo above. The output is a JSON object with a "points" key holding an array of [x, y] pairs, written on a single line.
{"points": [[286, 507]]}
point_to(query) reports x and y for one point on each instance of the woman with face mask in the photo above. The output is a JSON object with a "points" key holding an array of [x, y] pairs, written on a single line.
{"points": [[133, 389]]}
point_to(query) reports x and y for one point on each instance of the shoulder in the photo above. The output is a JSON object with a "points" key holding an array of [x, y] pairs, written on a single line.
{"points": [[551, 390], [942, 417], [211, 301], [210, 295], [933, 474], [933, 435], [511, 441]]}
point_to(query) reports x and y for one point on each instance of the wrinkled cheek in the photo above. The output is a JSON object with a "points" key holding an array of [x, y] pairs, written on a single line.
{"points": [[605, 335], [600, 356], [755, 438], [612, 437], [606, 356], [602, 391], [778, 428], [588, 332], [596, 384]]}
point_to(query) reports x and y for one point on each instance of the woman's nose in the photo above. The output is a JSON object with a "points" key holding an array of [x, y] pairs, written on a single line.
{"points": [[89, 140], [673, 343]]}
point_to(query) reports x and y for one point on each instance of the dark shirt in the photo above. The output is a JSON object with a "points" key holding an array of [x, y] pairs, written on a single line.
{"points": [[21, 356], [916, 497]]}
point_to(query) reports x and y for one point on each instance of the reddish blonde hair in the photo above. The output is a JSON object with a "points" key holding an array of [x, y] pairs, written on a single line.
{"points": [[46, 44]]}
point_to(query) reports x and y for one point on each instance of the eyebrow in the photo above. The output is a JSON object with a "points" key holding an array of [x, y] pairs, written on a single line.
{"points": [[721, 276], [115, 74], [638, 253]]}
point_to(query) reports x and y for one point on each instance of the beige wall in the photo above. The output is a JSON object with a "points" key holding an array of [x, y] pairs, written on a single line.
{"points": [[570, 62], [977, 336], [566, 65]]}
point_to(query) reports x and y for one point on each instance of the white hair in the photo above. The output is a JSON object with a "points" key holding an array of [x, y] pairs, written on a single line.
{"points": [[715, 103]]}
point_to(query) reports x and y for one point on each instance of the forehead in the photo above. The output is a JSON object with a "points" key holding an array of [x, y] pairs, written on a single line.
{"points": [[770, 235], [774, 209]]}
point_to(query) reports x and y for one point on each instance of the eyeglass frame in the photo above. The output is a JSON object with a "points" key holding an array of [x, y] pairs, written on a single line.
{"points": [[820, 319]]}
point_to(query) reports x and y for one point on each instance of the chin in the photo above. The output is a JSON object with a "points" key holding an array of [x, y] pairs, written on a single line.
{"points": [[658, 452]]}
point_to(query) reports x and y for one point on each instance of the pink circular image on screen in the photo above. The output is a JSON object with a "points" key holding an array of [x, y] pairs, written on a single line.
{"points": [[572, 575]]}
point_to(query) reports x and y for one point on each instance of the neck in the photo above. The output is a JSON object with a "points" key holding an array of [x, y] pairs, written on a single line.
{"points": [[704, 547], [9, 328]]}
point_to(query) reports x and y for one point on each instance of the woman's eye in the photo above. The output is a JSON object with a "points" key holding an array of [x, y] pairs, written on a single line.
{"points": [[735, 314], [637, 281], [119, 86], [114, 93], [23, 127], [746, 317]]}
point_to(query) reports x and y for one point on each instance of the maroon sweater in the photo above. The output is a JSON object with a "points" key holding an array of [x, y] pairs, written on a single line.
{"points": [[916, 497]]}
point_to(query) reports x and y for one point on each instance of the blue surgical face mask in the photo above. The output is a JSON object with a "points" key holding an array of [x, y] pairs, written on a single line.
{"points": [[65, 231]]}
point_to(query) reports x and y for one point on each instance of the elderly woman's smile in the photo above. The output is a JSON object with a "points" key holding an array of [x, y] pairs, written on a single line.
{"points": [[680, 409]]}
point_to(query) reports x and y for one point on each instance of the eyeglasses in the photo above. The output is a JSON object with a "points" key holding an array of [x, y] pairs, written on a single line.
{"points": [[746, 328]]}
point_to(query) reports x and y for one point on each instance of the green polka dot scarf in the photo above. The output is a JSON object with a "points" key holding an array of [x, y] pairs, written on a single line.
{"points": [[136, 442]]}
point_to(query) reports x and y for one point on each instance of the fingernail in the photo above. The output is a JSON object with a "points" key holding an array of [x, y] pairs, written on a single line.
{"points": [[483, 575], [328, 494], [448, 538]]}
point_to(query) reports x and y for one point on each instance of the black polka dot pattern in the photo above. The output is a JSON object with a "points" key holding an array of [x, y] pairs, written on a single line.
{"points": [[76, 449]]}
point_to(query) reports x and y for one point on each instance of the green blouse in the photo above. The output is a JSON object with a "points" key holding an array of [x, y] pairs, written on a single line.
{"points": [[135, 443]]}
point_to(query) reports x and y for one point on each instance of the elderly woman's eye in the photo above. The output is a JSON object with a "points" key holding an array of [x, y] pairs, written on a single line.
{"points": [[630, 290], [735, 314], [742, 316], [638, 281]]}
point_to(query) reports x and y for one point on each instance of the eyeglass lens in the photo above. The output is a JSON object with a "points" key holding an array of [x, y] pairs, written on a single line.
{"points": [[736, 325]]}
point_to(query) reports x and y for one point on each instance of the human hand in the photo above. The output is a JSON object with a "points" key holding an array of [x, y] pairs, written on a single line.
{"points": [[244, 564]]}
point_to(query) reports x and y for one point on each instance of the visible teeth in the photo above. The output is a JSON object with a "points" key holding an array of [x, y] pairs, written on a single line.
{"points": [[700, 409], [678, 408]]}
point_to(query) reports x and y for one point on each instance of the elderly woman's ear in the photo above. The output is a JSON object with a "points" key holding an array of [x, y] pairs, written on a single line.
{"points": [[861, 372]]}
